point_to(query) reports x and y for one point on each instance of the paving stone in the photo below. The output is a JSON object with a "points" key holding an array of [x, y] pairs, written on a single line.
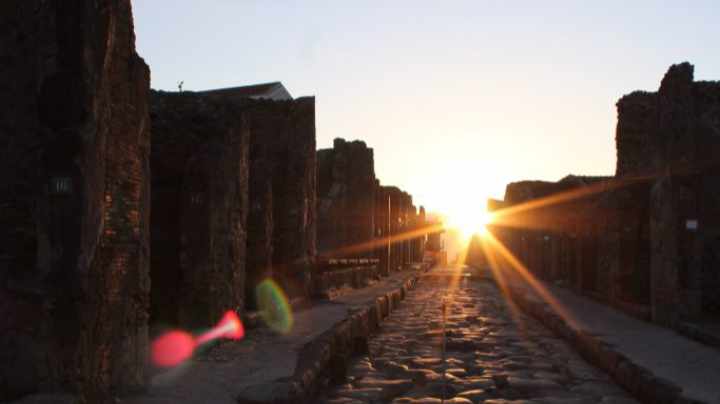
{"points": [[363, 393], [597, 388], [344, 400], [618, 400], [564, 400], [474, 395], [489, 357]]}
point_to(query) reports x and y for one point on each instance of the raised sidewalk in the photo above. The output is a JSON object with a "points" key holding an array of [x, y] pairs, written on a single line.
{"points": [[655, 364], [267, 367]]}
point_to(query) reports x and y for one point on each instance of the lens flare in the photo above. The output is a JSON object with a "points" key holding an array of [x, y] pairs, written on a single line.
{"points": [[172, 348], [274, 307], [229, 327], [175, 347]]}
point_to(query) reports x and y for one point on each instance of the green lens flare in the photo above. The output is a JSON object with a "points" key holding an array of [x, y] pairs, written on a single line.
{"points": [[274, 307]]}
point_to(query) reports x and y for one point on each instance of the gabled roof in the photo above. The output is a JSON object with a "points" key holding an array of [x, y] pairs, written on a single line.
{"points": [[274, 90]]}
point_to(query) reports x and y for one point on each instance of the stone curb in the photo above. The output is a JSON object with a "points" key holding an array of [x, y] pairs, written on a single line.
{"points": [[326, 357], [696, 333], [637, 380]]}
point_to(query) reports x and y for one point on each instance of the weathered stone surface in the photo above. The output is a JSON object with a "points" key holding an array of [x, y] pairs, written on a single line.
{"points": [[200, 204], [637, 113], [420, 224], [409, 346], [683, 145], [259, 222], [346, 199], [330, 283], [283, 157], [645, 241], [282, 190], [74, 138], [400, 231]]}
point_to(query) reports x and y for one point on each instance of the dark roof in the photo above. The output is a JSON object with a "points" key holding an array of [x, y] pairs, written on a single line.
{"points": [[584, 179], [246, 91]]}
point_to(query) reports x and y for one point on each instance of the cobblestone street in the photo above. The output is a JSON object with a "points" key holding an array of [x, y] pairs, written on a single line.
{"points": [[493, 355]]}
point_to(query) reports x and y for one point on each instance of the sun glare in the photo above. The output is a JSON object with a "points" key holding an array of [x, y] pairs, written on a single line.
{"points": [[470, 221]]}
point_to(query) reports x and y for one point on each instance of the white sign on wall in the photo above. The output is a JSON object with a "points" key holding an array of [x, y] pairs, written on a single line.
{"points": [[691, 224]]}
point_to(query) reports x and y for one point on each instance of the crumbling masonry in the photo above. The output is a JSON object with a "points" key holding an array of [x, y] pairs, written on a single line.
{"points": [[647, 240], [200, 204], [364, 228], [87, 273], [74, 198]]}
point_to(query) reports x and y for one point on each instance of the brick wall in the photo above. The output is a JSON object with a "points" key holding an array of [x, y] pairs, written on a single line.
{"points": [[75, 197], [200, 207]]}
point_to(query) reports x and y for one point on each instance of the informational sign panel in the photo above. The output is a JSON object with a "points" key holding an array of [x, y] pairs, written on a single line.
{"points": [[691, 224]]}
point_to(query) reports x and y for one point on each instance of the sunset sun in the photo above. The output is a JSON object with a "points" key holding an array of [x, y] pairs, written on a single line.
{"points": [[469, 220]]}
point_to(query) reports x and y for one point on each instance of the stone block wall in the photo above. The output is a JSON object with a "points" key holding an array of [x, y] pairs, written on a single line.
{"points": [[346, 198], [397, 227], [649, 240], [418, 225], [383, 250], [678, 157], [283, 176], [279, 179], [683, 199], [552, 228], [636, 113], [74, 138], [200, 206]]}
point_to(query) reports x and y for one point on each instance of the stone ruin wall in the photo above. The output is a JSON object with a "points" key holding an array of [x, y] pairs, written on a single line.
{"points": [[200, 206], [397, 219], [346, 198], [279, 178], [283, 174], [234, 186], [419, 243], [670, 139], [355, 210], [75, 197], [642, 254], [687, 152], [383, 250]]}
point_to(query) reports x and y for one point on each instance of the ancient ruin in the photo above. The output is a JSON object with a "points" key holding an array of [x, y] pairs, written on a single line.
{"points": [[365, 230], [282, 192], [393, 216], [266, 200], [647, 240], [199, 198], [346, 198], [75, 197]]}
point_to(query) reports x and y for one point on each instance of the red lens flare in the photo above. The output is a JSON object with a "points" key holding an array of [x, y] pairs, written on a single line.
{"points": [[175, 347], [172, 348], [229, 327]]}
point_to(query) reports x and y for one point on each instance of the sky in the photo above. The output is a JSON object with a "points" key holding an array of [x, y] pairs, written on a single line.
{"points": [[457, 98]]}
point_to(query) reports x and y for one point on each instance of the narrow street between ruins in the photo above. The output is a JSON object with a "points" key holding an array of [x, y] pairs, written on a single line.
{"points": [[494, 354]]}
